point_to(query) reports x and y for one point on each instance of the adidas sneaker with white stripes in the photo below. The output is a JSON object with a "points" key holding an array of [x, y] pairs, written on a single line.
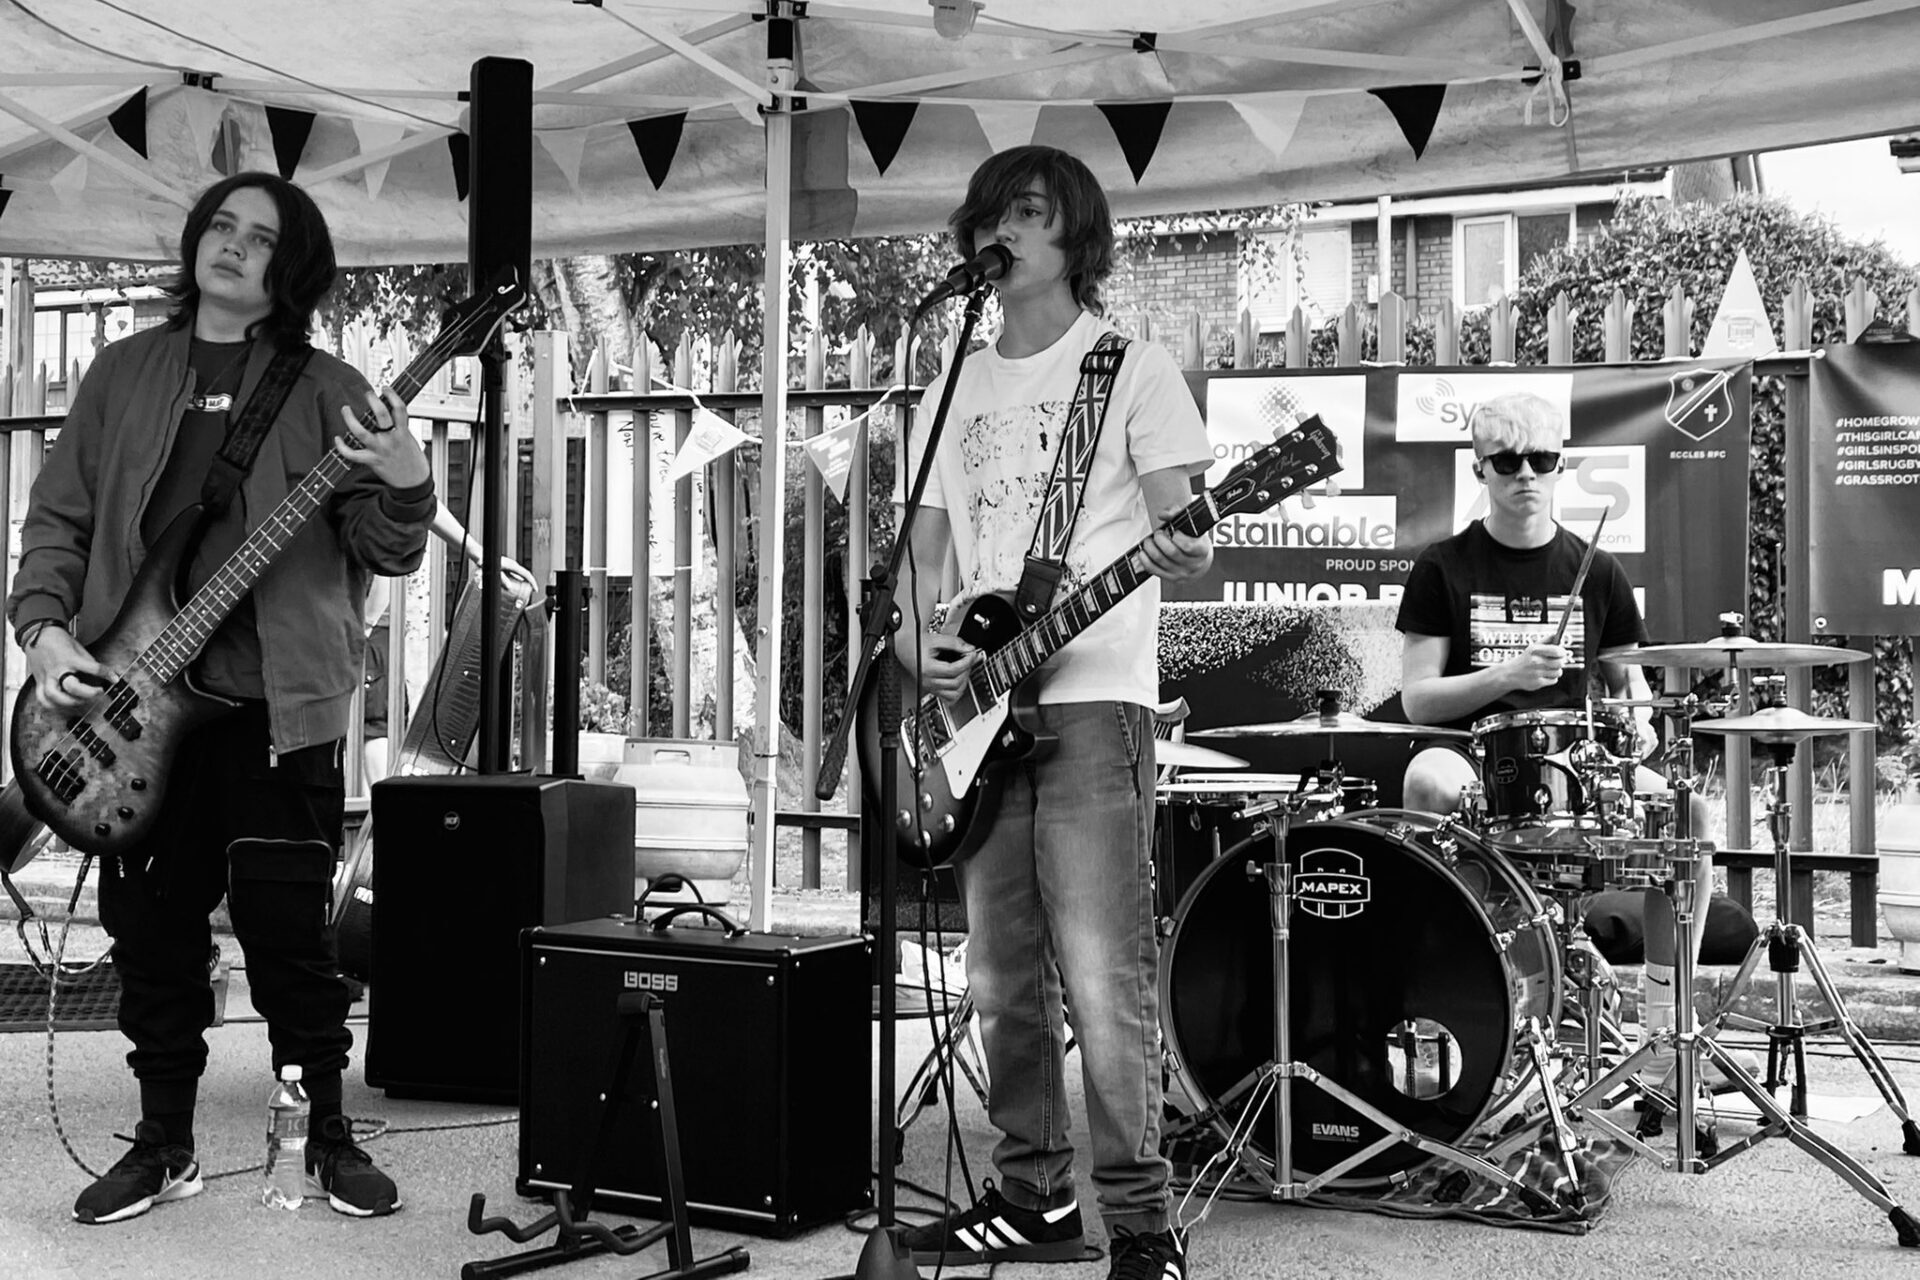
{"points": [[996, 1231]]}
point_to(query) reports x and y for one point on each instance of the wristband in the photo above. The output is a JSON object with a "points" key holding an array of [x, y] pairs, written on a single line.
{"points": [[31, 632]]}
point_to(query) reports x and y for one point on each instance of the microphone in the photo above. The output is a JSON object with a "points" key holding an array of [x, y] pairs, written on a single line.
{"points": [[991, 263]]}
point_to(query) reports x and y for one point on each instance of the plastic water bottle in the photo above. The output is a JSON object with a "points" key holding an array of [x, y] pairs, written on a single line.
{"points": [[287, 1111]]}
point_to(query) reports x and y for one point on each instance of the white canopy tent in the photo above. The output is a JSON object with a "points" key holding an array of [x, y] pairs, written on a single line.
{"points": [[663, 125]]}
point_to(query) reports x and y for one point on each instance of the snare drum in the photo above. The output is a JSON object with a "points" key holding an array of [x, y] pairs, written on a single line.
{"points": [[1528, 778], [1200, 815]]}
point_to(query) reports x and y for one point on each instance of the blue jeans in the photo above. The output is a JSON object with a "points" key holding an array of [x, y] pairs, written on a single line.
{"points": [[1060, 894]]}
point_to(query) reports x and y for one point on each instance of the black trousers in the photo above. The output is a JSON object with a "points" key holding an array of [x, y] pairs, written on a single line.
{"points": [[262, 834]]}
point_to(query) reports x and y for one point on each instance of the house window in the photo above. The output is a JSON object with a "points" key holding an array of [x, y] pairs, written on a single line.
{"points": [[1484, 259], [1312, 269]]}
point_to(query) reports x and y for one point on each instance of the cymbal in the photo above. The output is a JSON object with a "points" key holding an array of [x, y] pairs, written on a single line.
{"points": [[1344, 722], [1779, 724], [1731, 651], [1186, 755]]}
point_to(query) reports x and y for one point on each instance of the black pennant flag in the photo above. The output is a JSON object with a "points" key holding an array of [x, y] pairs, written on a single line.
{"points": [[129, 121], [5, 195], [290, 129], [1416, 107], [883, 127], [1137, 127], [657, 139], [457, 152]]}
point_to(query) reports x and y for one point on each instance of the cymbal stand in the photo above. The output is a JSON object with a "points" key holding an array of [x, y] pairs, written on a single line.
{"points": [[1785, 945], [1268, 1088]]}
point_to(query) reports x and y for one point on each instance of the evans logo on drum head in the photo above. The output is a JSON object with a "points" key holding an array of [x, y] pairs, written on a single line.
{"points": [[1332, 884]]}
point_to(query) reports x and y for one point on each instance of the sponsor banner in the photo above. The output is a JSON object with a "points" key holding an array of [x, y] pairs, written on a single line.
{"points": [[1661, 448], [1863, 511]]}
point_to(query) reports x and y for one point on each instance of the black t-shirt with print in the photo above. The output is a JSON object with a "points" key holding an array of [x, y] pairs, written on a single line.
{"points": [[1492, 601]]}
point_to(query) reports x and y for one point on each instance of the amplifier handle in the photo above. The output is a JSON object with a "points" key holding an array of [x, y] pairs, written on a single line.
{"points": [[664, 921]]}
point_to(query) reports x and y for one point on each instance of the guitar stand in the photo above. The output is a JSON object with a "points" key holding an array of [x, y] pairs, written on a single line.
{"points": [[954, 1044], [644, 1016]]}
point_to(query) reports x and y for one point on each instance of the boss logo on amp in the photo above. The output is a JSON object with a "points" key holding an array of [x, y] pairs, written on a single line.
{"points": [[640, 980]]}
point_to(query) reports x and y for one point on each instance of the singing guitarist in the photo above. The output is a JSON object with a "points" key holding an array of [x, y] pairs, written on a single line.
{"points": [[1057, 891], [252, 811]]}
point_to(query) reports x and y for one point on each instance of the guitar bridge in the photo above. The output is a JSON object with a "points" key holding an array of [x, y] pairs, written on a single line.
{"points": [[62, 776]]}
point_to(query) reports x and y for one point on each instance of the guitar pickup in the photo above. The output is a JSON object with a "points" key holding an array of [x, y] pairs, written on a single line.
{"points": [[120, 705], [96, 746], [62, 776]]}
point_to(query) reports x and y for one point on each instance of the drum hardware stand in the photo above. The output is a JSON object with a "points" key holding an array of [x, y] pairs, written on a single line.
{"points": [[1273, 1081], [955, 1044], [577, 1237]]}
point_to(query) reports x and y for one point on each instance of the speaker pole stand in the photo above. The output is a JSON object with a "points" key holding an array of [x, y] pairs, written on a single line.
{"points": [[493, 384], [644, 1015]]}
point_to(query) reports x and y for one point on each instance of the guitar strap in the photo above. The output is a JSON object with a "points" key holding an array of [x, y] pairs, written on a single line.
{"points": [[248, 427], [1067, 488]]}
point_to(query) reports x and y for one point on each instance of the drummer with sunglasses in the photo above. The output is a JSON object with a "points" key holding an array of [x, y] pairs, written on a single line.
{"points": [[1480, 616]]}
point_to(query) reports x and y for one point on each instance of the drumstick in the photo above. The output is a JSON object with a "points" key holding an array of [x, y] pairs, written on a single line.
{"points": [[1580, 579]]}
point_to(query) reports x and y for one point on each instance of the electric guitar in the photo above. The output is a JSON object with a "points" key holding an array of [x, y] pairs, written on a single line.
{"points": [[947, 748], [98, 776]]}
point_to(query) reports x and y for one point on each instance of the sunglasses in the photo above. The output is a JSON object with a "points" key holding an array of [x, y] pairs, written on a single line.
{"points": [[1507, 462]]}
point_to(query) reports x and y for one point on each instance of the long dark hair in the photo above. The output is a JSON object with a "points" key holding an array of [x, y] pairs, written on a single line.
{"points": [[298, 275], [1079, 211]]}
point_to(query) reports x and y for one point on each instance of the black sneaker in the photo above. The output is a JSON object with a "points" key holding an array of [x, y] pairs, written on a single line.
{"points": [[345, 1175], [154, 1172], [996, 1231], [1156, 1256]]}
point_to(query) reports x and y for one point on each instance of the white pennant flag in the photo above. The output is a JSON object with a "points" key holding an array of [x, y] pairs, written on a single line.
{"points": [[204, 110], [1272, 117], [566, 146], [373, 135], [1007, 124], [711, 436], [71, 182], [1740, 326], [832, 456]]}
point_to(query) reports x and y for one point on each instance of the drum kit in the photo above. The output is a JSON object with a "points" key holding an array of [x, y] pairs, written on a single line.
{"points": [[1348, 992]]}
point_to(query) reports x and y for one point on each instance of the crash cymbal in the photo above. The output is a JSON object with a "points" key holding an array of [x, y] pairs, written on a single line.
{"points": [[1186, 755], [1731, 651], [1779, 724], [1344, 722]]}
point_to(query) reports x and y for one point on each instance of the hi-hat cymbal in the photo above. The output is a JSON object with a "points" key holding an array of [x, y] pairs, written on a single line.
{"points": [[1731, 651], [1186, 755], [1779, 724], [1344, 722]]}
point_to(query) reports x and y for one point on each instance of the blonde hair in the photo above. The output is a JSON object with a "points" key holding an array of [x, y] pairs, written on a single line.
{"points": [[1518, 420]]}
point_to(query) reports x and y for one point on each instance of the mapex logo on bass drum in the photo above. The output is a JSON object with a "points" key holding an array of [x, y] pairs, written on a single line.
{"points": [[1332, 884]]}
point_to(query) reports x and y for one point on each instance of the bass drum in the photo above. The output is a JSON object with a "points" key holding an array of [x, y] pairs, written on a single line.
{"points": [[1417, 957]]}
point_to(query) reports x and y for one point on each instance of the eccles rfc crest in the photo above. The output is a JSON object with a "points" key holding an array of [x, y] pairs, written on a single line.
{"points": [[1332, 884]]}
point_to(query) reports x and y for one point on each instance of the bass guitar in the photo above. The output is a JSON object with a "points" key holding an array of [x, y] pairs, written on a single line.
{"points": [[949, 750], [98, 777]]}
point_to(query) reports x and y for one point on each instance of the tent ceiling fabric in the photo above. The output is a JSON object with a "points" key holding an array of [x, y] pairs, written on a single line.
{"points": [[1269, 101]]}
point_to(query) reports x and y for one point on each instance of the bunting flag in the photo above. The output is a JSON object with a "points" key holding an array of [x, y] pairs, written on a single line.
{"points": [[204, 111], [883, 127], [1136, 126], [5, 195], [374, 135], [831, 453], [457, 152], [1740, 327], [1272, 117], [290, 129], [710, 437], [1007, 124], [1416, 108], [129, 121], [657, 139], [71, 182], [566, 147]]}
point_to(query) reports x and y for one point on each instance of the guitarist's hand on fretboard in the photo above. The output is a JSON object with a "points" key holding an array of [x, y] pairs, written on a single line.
{"points": [[1173, 555], [65, 676], [394, 456]]}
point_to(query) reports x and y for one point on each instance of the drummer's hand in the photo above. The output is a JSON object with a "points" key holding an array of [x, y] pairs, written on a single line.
{"points": [[1538, 667], [941, 662], [1173, 556]]}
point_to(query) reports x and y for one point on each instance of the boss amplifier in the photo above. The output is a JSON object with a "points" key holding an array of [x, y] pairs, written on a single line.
{"points": [[769, 1043]]}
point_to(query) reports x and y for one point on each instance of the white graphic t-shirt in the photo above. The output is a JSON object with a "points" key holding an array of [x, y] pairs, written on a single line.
{"points": [[991, 473]]}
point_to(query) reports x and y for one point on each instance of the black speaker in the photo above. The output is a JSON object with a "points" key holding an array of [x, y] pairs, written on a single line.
{"points": [[500, 160], [467, 862], [769, 1042]]}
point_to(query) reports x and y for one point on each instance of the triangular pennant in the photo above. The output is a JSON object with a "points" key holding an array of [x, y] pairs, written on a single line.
{"points": [[204, 111], [1415, 107], [71, 182], [1272, 117], [1740, 326], [289, 129], [657, 139], [376, 135], [1007, 124], [129, 121], [883, 127], [457, 152], [831, 453], [1136, 126], [5, 195], [566, 147], [710, 437]]}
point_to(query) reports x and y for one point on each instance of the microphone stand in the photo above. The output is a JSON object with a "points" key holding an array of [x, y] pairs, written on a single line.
{"points": [[885, 1254]]}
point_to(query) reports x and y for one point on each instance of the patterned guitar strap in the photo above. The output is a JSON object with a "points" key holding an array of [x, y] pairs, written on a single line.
{"points": [[248, 428], [1060, 508]]}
